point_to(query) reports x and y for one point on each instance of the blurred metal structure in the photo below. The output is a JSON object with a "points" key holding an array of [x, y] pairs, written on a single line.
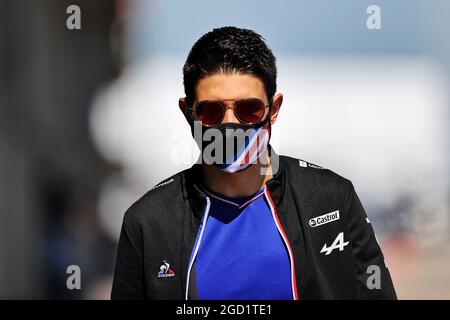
{"points": [[49, 171]]}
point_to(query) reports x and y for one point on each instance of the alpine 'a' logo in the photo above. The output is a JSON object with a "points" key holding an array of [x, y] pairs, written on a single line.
{"points": [[338, 243], [324, 219]]}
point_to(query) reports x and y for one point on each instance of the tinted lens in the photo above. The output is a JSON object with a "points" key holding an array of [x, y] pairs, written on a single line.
{"points": [[250, 110], [209, 112]]}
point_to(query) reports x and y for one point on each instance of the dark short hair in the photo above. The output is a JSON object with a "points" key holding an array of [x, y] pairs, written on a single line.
{"points": [[230, 49]]}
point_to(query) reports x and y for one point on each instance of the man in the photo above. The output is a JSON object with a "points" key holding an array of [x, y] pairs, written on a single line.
{"points": [[243, 222]]}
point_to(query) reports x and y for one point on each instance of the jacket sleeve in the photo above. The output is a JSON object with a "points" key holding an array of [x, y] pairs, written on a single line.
{"points": [[374, 280], [128, 280]]}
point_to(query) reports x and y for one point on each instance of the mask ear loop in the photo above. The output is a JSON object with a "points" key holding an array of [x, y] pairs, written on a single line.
{"points": [[269, 126], [268, 117]]}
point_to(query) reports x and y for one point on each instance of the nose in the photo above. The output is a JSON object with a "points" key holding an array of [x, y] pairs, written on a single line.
{"points": [[229, 116]]}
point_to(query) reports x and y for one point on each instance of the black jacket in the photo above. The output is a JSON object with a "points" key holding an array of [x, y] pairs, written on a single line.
{"points": [[334, 256]]}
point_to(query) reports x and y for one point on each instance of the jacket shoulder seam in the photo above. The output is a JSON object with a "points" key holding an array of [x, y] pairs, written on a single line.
{"points": [[132, 241]]}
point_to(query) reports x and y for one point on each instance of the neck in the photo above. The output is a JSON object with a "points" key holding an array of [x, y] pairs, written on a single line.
{"points": [[240, 184]]}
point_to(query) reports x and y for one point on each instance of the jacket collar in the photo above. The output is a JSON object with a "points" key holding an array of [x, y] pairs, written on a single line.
{"points": [[192, 178], [277, 184]]}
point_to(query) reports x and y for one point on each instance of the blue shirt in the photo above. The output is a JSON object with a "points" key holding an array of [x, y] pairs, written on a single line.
{"points": [[241, 254]]}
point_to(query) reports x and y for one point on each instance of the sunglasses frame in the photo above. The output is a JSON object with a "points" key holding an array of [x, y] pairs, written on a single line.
{"points": [[225, 107]]}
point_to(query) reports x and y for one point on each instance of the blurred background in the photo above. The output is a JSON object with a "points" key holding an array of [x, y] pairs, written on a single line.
{"points": [[89, 121]]}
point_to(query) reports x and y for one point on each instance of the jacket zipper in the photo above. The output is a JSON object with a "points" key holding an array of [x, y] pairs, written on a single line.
{"points": [[274, 212], [191, 262]]}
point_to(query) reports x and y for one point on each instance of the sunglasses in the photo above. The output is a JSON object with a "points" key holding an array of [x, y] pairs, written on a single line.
{"points": [[212, 112]]}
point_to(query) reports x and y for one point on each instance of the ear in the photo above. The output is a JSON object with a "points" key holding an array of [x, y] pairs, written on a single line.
{"points": [[276, 105], [185, 109]]}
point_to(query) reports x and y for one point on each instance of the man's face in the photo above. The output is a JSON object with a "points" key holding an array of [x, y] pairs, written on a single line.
{"points": [[230, 88]]}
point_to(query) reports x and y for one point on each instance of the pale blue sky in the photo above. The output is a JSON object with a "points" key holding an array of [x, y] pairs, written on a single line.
{"points": [[291, 26]]}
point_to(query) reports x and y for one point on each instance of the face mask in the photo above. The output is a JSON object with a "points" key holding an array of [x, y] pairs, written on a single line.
{"points": [[233, 147]]}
